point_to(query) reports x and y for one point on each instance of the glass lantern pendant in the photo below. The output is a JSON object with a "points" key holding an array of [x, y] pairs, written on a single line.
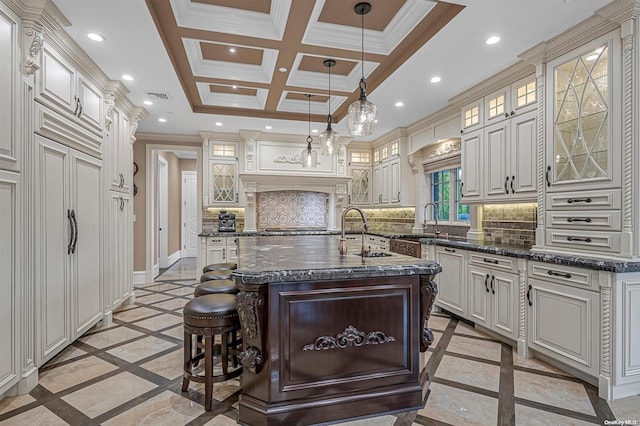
{"points": [[309, 156], [362, 114]]}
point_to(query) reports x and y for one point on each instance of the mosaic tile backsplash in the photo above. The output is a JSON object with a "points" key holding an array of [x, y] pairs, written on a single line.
{"points": [[383, 220], [513, 224]]}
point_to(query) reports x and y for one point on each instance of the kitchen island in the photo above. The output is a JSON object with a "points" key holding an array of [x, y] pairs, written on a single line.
{"points": [[328, 337]]}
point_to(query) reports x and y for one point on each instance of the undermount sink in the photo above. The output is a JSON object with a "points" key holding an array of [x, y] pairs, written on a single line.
{"points": [[374, 254]]}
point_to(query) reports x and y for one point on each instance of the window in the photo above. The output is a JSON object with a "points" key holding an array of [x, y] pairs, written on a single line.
{"points": [[445, 192]]}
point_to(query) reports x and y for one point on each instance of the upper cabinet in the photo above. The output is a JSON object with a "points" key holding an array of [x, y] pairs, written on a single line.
{"points": [[69, 103], [119, 153], [390, 168], [9, 89], [360, 186], [581, 126], [499, 145], [221, 174]]}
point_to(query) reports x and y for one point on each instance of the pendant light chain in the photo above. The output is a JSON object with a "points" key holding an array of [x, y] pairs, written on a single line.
{"points": [[362, 49]]}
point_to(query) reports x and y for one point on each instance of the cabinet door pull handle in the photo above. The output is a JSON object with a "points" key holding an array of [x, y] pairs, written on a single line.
{"points": [[121, 204], [485, 260], [486, 279], [398, 195], [461, 186], [80, 110], [529, 295], [75, 225], [493, 279], [450, 250], [72, 232], [513, 179], [224, 253], [75, 111], [506, 181], [559, 274], [578, 200], [579, 219], [506, 115], [513, 113], [582, 239], [546, 176]]}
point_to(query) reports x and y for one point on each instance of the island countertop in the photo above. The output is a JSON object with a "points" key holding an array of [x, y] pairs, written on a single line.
{"points": [[264, 260]]}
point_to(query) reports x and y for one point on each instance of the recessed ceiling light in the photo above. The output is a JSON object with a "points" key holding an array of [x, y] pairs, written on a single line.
{"points": [[232, 49], [234, 87], [435, 79], [162, 120], [399, 104], [127, 77], [314, 131], [283, 69], [493, 40], [147, 103], [375, 121], [95, 37], [268, 127], [218, 123]]}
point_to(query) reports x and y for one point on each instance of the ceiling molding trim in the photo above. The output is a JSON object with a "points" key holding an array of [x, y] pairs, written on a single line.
{"points": [[233, 21], [207, 97], [294, 105], [341, 83], [168, 138]]}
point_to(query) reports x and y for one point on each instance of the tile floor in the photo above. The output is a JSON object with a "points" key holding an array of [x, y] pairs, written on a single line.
{"points": [[130, 374]]}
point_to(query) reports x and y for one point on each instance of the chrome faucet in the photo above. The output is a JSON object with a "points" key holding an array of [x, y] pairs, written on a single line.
{"points": [[342, 248], [435, 217]]}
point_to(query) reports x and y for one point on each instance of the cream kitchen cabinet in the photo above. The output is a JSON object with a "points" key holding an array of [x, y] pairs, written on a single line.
{"points": [[119, 269], [376, 243], [10, 100], [471, 164], [564, 315], [66, 91], [10, 278], [494, 293], [388, 173], [220, 173], [118, 153], [68, 245], [452, 281], [512, 100], [361, 184], [220, 249]]}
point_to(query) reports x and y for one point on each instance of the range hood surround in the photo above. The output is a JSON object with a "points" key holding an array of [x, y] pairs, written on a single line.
{"points": [[334, 186]]}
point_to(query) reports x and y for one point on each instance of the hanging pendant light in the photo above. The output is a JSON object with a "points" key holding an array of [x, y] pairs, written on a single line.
{"points": [[309, 156], [362, 113], [329, 138]]}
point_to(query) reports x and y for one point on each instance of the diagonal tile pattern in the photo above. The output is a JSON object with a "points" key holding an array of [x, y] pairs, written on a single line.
{"points": [[130, 374]]}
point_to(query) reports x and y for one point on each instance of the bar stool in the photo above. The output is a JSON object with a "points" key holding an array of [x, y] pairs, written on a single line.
{"points": [[207, 317], [215, 275], [216, 287], [224, 266]]}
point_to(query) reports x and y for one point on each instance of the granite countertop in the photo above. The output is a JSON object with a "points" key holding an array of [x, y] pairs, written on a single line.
{"points": [[283, 233], [289, 259]]}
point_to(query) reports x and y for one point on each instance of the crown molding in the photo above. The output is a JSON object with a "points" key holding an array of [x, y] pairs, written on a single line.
{"points": [[167, 138]]}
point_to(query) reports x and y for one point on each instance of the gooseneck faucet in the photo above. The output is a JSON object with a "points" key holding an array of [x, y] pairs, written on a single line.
{"points": [[342, 248], [435, 217]]}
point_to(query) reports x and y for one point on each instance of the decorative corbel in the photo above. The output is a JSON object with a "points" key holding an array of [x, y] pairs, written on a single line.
{"points": [[35, 40], [137, 115], [109, 104], [251, 305], [428, 292], [414, 162]]}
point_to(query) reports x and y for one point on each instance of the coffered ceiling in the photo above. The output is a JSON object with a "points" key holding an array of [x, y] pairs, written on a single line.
{"points": [[259, 58], [178, 54]]}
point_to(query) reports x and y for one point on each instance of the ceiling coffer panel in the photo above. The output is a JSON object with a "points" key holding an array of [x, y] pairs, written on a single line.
{"points": [[258, 58]]}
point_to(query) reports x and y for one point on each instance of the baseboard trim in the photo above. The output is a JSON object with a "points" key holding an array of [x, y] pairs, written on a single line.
{"points": [[139, 277], [173, 258], [155, 271]]}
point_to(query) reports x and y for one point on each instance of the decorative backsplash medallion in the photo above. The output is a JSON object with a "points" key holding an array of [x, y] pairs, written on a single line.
{"points": [[291, 209]]}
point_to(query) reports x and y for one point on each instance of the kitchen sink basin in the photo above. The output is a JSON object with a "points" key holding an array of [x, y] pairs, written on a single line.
{"points": [[374, 254]]}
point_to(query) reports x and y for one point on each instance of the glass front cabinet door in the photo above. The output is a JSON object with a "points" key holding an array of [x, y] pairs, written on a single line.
{"points": [[583, 118]]}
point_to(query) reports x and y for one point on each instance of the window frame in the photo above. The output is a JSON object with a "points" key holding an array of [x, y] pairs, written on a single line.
{"points": [[454, 197]]}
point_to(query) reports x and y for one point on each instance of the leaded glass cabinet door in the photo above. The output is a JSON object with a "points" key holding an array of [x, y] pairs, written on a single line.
{"points": [[582, 133], [223, 183], [360, 186]]}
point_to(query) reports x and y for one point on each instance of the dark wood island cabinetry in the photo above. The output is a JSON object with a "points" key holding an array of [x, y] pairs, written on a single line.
{"points": [[328, 337]]}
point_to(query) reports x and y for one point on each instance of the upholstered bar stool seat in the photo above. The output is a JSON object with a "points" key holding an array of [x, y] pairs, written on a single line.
{"points": [[224, 266], [216, 275], [216, 287], [207, 317]]}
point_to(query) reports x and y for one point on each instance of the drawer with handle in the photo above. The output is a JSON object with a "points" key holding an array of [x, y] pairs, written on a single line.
{"points": [[584, 240], [569, 275], [592, 219], [493, 261], [601, 199]]}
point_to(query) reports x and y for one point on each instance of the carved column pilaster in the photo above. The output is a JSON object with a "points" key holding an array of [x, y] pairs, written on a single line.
{"points": [[605, 336], [543, 171], [428, 292], [627, 123], [252, 306], [522, 323]]}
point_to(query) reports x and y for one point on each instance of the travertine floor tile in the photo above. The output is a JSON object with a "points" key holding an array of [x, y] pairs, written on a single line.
{"points": [[152, 298], [177, 332], [108, 394], [469, 372], [171, 304], [135, 314], [534, 417], [535, 364], [459, 407], [70, 352], [169, 365], [548, 390], [627, 408], [10, 403], [140, 349], [437, 322], [110, 337], [74, 373], [464, 328], [163, 287], [183, 291], [161, 321], [39, 416], [166, 408], [475, 347], [221, 420]]}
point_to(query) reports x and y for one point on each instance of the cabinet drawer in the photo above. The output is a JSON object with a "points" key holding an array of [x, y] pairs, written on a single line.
{"points": [[585, 219], [216, 241], [494, 262], [569, 275], [583, 240], [61, 129], [604, 199]]}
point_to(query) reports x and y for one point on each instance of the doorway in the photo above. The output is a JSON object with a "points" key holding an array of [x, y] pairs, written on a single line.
{"points": [[189, 214], [163, 212]]}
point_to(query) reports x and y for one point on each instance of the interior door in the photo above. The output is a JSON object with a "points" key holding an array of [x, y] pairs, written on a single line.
{"points": [[189, 214], [163, 214]]}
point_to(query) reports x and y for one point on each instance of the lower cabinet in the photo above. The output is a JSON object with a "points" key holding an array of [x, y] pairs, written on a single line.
{"points": [[452, 281], [10, 278], [68, 246], [119, 270], [564, 320], [221, 249], [493, 300]]}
